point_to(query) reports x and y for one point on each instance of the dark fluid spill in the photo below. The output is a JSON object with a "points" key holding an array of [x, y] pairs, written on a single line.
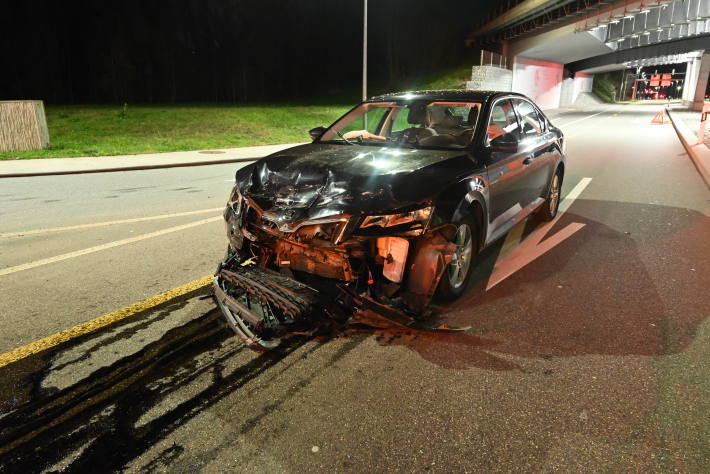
{"points": [[95, 417]]}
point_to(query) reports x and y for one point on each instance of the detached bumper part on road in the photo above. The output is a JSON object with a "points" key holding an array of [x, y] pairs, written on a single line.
{"points": [[260, 305]]}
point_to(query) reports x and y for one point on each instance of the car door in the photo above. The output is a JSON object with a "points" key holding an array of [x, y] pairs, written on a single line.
{"points": [[504, 164], [537, 143]]}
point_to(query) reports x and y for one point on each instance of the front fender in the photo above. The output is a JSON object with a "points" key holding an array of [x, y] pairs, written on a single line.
{"points": [[469, 196]]}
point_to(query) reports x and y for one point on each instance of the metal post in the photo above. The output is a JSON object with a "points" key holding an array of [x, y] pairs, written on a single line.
{"points": [[703, 119], [636, 83], [364, 53]]}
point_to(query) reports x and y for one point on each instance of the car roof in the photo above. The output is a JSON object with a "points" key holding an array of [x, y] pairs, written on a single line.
{"points": [[444, 94]]}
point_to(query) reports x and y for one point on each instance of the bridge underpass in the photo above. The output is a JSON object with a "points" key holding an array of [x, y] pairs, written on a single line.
{"points": [[555, 47]]}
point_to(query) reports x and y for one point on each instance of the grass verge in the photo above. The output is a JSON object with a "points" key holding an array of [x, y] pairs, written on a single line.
{"points": [[94, 130]]}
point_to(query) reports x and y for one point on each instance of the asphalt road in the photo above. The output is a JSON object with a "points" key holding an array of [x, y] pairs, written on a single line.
{"points": [[592, 357]]}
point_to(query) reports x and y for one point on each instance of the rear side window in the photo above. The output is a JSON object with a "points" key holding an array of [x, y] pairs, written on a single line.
{"points": [[530, 122], [502, 121]]}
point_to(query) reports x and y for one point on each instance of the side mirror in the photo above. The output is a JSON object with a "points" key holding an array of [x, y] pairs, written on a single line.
{"points": [[316, 132], [504, 144]]}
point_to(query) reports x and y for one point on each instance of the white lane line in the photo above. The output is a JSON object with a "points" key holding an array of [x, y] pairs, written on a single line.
{"points": [[579, 120], [572, 195], [533, 247], [98, 248], [100, 224]]}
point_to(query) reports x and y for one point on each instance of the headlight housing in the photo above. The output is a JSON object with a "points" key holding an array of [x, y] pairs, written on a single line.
{"points": [[415, 221]]}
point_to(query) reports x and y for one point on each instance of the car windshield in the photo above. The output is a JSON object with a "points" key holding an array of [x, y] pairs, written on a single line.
{"points": [[420, 124]]}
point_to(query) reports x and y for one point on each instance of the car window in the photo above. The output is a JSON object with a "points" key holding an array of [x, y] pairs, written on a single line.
{"points": [[419, 123], [371, 120], [530, 121], [502, 121]]}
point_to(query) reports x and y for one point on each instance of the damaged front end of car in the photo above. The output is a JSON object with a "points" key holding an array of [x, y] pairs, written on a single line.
{"points": [[296, 263]]}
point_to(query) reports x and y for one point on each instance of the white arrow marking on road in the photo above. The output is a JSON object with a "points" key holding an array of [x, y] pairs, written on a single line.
{"points": [[533, 247]]}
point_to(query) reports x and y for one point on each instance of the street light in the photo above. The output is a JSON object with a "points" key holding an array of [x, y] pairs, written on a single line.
{"points": [[364, 53]]}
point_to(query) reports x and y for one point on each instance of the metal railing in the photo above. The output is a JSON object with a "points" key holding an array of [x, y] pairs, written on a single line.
{"points": [[489, 58]]}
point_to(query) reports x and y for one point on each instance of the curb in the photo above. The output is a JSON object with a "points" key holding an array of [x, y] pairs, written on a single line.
{"points": [[127, 168], [698, 152]]}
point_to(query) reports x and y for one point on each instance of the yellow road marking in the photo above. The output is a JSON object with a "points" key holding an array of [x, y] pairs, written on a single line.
{"points": [[102, 321], [117, 243], [100, 224]]}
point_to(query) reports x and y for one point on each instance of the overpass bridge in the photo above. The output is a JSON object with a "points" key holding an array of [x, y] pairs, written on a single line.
{"points": [[554, 47]]}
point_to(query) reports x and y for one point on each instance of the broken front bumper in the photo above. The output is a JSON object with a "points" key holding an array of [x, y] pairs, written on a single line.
{"points": [[261, 305]]}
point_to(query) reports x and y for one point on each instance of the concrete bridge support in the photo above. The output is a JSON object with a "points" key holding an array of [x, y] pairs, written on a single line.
{"points": [[696, 81]]}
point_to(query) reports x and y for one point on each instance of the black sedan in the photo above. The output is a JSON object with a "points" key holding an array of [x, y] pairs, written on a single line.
{"points": [[386, 208]]}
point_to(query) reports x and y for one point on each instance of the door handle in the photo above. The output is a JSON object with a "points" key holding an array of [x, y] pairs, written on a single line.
{"points": [[528, 160]]}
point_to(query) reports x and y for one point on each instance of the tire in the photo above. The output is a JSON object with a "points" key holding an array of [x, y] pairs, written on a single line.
{"points": [[457, 273], [549, 208]]}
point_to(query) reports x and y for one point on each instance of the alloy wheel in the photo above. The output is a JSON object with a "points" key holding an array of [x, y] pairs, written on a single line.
{"points": [[554, 194], [461, 260]]}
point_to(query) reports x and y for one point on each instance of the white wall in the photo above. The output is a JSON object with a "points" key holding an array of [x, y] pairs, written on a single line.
{"points": [[567, 95], [539, 80], [582, 83]]}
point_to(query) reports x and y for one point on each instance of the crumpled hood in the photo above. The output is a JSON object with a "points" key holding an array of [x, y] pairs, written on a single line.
{"points": [[319, 180]]}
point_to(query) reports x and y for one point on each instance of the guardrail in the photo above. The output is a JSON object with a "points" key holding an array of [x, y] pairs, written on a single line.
{"points": [[489, 58]]}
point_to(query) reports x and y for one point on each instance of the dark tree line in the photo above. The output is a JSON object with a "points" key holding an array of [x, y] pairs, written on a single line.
{"points": [[88, 51]]}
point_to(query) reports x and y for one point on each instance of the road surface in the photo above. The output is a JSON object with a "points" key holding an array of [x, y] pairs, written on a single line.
{"points": [[592, 356]]}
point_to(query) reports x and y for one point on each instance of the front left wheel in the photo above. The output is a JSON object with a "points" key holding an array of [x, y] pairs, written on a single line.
{"points": [[458, 272]]}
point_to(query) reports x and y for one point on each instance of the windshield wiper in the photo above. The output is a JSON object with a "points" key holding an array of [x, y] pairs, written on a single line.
{"points": [[343, 137]]}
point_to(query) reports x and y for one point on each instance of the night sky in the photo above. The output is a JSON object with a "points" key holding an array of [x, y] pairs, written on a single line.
{"points": [[144, 51]]}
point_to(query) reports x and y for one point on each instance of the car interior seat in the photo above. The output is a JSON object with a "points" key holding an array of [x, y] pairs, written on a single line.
{"points": [[418, 115]]}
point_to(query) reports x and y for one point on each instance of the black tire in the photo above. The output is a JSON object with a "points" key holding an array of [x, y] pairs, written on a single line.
{"points": [[456, 277], [549, 208]]}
